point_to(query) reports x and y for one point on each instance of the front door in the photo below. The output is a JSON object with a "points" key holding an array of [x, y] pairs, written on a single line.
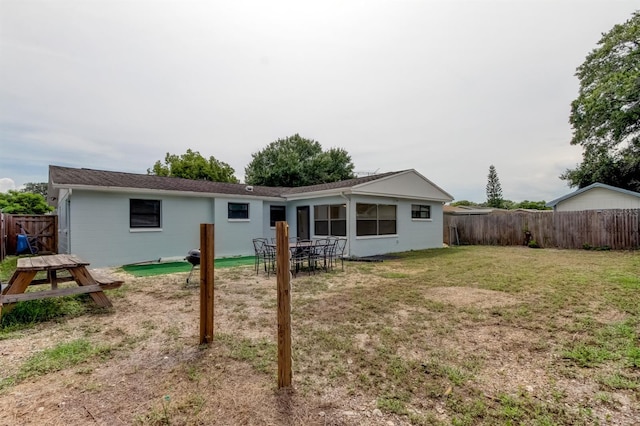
{"points": [[302, 223]]}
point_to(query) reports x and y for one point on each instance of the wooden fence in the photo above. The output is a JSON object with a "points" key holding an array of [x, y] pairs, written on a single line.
{"points": [[41, 229], [615, 229]]}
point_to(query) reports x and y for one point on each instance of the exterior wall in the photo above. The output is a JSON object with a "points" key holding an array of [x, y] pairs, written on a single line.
{"points": [[406, 185], [234, 236], [100, 230], [599, 199], [64, 221], [412, 234], [268, 230]]}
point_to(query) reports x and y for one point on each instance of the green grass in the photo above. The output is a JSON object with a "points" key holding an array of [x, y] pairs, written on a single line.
{"points": [[29, 313], [532, 337], [151, 269], [59, 357]]}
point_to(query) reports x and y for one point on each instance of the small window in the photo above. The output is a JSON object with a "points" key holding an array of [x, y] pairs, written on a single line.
{"points": [[419, 211], [238, 211], [277, 214], [144, 213]]}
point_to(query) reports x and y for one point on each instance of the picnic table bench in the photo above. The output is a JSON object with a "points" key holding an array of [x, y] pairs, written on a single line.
{"points": [[91, 282]]}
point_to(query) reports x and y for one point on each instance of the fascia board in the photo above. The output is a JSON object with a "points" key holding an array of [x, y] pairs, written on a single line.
{"points": [[163, 192]]}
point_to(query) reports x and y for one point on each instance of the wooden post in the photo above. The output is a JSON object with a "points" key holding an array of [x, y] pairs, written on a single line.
{"points": [[206, 282], [283, 258]]}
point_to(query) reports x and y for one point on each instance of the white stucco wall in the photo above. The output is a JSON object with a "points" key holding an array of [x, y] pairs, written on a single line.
{"points": [[599, 199], [234, 236], [412, 234], [100, 231]]}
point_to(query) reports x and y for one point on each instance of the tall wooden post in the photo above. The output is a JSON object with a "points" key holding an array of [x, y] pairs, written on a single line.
{"points": [[283, 273], [206, 282]]}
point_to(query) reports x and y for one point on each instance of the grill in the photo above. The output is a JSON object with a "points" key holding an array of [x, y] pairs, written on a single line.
{"points": [[193, 257]]}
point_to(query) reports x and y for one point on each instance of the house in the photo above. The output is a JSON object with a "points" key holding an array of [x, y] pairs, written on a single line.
{"points": [[597, 196], [114, 218]]}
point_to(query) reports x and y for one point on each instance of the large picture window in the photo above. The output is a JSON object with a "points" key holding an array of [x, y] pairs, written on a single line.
{"points": [[330, 219], [375, 219], [238, 211], [277, 214], [144, 213], [420, 211]]}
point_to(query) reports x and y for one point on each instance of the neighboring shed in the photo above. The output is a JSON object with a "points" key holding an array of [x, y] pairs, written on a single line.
{"points": [[113, 218], [597, 196]]}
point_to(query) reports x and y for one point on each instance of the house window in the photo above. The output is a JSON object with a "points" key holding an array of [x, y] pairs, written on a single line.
{"points": [[277, 214], [330, 219], [238, 211], [375, 219], [144, 213], [419, 211]]}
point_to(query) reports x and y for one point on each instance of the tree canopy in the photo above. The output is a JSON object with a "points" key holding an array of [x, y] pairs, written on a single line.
{"points": [[606, 114], [192, 165], [15, 202], [494, 189], [296, 161], [36, 188]]}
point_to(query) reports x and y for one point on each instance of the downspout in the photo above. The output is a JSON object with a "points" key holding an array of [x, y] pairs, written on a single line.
{"points": [[348, 248]]}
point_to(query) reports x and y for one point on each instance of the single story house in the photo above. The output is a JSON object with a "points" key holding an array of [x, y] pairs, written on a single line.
{"points": [[114, 218], [596, 196]]}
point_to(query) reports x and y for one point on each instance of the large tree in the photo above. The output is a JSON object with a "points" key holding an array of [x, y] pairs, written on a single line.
{"points": [[296, 161], [15, 202], [494, 189], [36, 188], [192, 165], [606, 114]]}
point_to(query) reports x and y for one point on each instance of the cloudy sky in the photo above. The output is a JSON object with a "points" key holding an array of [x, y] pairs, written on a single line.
{"points": [[446, 87]]}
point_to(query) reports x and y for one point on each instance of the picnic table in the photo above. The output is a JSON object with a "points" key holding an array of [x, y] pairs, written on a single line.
{"points": [[91, 282]]}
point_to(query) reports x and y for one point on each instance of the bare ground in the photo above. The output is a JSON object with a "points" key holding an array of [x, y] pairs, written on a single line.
{"points": [[157, 374]]}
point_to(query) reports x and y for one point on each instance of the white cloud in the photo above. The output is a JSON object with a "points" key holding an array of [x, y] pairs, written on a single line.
{"points": [[7, 184], [443, 86]]}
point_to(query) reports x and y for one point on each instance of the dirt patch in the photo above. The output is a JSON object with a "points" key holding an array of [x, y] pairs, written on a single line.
{"points": [[470, 297]]}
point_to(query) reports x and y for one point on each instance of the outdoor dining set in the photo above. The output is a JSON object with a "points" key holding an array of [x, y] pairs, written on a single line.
{"points": [[318, 255]]}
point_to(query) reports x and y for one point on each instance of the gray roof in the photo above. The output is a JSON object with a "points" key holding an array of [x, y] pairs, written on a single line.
{"points": [[587, 188], [74, 177]]}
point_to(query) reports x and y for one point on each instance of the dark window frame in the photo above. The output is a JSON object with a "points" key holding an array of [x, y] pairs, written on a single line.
{"points": [[369, 226], [420, 211], [330, 225], [237, 213], [277, 214], [145, 213]]}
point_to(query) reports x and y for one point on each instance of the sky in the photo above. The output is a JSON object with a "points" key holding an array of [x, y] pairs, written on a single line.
{"points": [[445, 87]]}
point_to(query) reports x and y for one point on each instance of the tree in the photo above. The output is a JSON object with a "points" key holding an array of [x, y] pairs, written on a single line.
{"points": [[36, 188], [192, 165], [606, 114], [15, 202], [296, 161], [494, 190]]}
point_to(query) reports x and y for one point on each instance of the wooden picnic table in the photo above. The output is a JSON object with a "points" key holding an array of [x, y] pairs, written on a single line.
{"points": [[90, 282]]}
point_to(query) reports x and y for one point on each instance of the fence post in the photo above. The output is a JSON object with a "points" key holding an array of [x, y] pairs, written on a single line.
{"points": [[283, 273], [206, 282]]}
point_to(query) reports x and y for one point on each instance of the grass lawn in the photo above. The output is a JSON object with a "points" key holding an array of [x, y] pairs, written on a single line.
{"points": [[464, 336]]}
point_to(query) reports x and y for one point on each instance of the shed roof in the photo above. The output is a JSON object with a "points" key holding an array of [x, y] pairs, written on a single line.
{"points": [[553, 203]]}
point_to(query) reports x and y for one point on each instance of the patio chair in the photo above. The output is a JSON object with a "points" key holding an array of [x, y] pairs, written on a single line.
{"points": [[263, 251], [338, 251], [321, 253], [300, 255]]}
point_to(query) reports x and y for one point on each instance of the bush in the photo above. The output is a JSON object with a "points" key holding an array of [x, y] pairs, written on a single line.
{"points": [[533, 244]]}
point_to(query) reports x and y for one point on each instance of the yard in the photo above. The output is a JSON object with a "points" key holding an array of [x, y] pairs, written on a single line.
{"points": [[465, 335]]}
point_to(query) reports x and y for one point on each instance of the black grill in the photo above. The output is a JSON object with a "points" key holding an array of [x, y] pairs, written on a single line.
{"points": [[193, 257]]}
